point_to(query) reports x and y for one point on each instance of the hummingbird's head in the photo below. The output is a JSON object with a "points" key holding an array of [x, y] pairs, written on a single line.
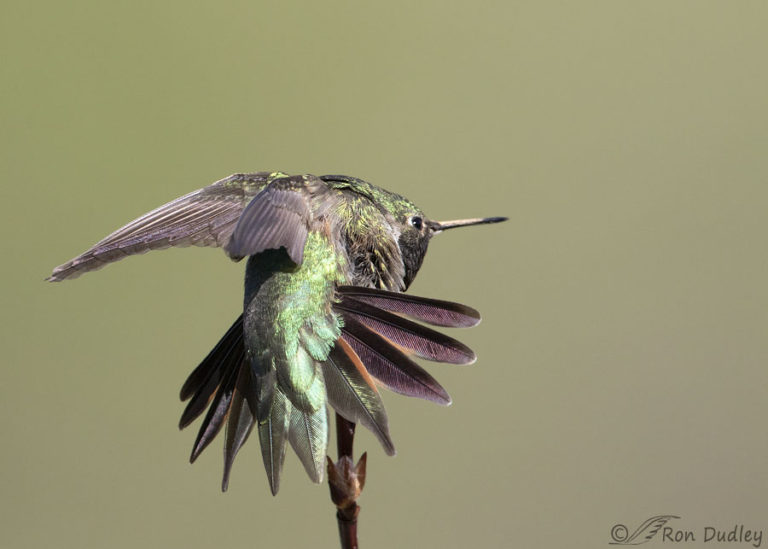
{"points": [[405, 220], [416, 231]]}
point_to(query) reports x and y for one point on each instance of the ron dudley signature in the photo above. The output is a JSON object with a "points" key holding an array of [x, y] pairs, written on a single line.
{"points": [[659, 529]]}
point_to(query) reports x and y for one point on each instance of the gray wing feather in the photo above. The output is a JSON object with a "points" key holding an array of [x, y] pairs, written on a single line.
{"points": [[205, 217], [277, 217]]}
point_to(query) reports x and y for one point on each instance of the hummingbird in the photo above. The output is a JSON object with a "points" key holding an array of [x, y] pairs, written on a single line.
{"points": [[325, 321]]}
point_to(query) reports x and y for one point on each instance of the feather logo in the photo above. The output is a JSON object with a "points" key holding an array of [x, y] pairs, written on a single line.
{"points": [[644, 533]]}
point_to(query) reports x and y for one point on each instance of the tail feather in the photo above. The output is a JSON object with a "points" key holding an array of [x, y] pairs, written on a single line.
{"points": [[210, 366], [353, 394], [301, 379], [240, 422], [308, 435], [422, 341], [273, 433], [200, 400], [391, 366], [216, 415], [203, 382], [431, 311]]}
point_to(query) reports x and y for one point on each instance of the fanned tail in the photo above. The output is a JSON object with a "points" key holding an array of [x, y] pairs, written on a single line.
{"points": [[375, 343]]}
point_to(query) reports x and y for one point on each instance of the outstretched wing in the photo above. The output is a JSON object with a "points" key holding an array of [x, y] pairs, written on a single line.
{"points": [[206, 217]]}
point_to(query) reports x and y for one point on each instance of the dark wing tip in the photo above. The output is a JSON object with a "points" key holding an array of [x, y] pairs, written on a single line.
{"points": [[66, 271]]}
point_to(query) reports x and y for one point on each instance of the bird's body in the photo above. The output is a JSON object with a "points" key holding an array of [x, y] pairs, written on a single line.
{"points": [[325, 258]]}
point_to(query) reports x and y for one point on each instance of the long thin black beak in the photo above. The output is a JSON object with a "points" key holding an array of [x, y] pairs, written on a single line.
{"points": [[438, 226]]}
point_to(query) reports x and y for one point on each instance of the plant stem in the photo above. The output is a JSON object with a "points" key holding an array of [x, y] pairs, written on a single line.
{"points": [[346, 482]]}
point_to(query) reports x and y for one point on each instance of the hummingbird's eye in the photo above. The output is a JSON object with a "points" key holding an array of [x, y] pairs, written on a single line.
{"points": [[417, 222]]}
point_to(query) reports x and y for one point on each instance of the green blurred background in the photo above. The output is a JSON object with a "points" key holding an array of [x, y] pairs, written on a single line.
{"points": [[622, 357]]}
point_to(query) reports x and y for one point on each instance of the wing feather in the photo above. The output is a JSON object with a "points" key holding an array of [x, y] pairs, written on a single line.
{"points": [[420, 340], [276, 218], [432, 311], [391, 366], [205, 217]]}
